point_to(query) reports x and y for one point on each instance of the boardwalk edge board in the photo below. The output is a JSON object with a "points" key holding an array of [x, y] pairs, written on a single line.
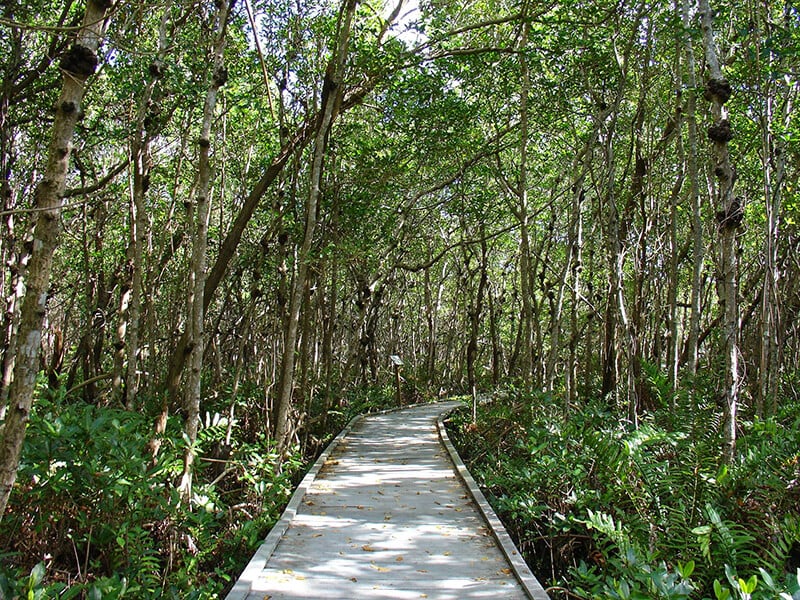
{"points": [[256, 565], [533, 589]]}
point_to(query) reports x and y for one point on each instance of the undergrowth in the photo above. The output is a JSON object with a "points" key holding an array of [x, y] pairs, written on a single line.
{"points": [[602, 509], [93, 516]]}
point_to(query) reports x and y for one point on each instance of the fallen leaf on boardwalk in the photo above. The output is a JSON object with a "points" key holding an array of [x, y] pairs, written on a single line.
{"points": [[422, 570], [287, 571], [267, 597], [354, 579], [399, 559], [459, 509], [387, 517], [380, 569], [309, 503], [423, 595], [360, 507], [367, 548], [316, 535], [331, 462], [448, 553], [505, 571]]}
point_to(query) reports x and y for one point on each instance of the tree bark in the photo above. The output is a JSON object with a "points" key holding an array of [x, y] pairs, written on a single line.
{"points": [[773, 164], [197, 270], [698, 244], [526, 291], [77, 65], [475, 313], [729, 216], [126, 375], [331, 100]]}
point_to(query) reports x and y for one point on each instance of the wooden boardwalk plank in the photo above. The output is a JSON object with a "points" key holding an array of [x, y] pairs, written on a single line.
{"points": [[385, 513]]}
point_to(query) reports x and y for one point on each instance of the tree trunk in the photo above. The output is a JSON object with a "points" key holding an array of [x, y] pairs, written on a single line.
{"points": [[197, 269], [331, 99], [698, 245], [78, 64], [576, 250], [526, 324], [773, 164], [475, 312], [129, 321], [729, 216]]}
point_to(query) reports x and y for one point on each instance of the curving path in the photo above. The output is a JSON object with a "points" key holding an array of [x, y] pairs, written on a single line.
{"points": [[386, 512]]}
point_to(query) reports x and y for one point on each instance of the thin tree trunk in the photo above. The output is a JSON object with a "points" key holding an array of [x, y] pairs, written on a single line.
{"points": [[494, 334], [773, 162], [475, 312], [729, 216], [698, 245], [576, 249], [331, 99], [197, 270], [8, 245], [521, 190], [77, 65], [140, 152]]}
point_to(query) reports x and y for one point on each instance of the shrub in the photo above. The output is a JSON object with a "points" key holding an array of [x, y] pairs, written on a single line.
{"points": [[608, 510]]}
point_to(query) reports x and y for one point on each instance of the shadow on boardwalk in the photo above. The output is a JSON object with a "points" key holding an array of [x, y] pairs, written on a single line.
{"points": [[384, 514]]}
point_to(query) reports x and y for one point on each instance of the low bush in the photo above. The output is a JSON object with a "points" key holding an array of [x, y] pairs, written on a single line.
{"points": [[94, 516]]}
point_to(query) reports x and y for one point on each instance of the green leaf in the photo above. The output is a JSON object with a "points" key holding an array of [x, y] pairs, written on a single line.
{"points": [[722, 474], [749, 586], [686, 570], [37, 576], [721, 593]]}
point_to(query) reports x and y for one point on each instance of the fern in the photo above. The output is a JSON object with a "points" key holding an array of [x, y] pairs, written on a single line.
{"points": [[785, 542]]}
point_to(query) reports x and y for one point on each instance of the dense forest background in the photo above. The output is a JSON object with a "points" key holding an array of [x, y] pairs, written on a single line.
{"points": [[220, 219]]}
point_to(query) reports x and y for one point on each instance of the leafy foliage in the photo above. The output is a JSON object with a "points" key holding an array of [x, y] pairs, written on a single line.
{"points": [[96, 504], [611, 511]]}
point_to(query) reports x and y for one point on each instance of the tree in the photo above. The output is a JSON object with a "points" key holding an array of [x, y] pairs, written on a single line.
{"points": [[729, 215], [77, 65], [331, 98], [197, 269]]}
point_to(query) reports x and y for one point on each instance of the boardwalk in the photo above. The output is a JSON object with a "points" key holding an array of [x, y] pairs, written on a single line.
{"points": [[384, 514]]}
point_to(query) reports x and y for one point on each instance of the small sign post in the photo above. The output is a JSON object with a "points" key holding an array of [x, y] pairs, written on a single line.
{"points": [[397, 362]]}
